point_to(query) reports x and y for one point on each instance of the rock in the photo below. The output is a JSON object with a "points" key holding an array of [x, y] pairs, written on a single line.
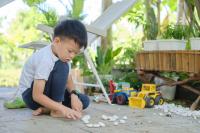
{"points": [[96, 125], [116, 123], [122, 121], [104, 117], [178, 110], [86, 119], [86, 122], [101, 124], [115, 117], [168, 115], [161, 114], [125, 118], [89, 125]]}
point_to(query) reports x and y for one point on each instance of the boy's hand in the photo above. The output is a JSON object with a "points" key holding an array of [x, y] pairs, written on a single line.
{"points": [[76, 103], [71, 114]]}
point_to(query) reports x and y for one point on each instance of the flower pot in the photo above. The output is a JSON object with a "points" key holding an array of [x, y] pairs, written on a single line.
{"points": [[168, 92], [150, 45], [171, 44], [195, 43]]}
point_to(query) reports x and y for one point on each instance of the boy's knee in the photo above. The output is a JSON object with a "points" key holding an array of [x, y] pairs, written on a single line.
{"points": [[61, 66], [85, 100]]}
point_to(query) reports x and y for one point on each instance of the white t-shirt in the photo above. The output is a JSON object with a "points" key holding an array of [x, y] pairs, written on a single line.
{"points": [[38, 66]]}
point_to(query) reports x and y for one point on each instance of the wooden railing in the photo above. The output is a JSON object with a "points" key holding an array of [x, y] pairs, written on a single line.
{"points": [[178, 61]]}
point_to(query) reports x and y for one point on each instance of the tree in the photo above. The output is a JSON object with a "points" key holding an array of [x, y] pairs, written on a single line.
{"points": [[22, 30], [76, 11], [106, 42], [146, 14], [193, 16]]}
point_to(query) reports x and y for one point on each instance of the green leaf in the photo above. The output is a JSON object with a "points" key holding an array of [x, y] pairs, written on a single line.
{"points": [[108, 56], [33, 2], [117, 52]]}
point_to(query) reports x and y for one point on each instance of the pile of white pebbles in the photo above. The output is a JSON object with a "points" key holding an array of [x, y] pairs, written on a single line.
{"points": [[178, 110], [115, 120]]}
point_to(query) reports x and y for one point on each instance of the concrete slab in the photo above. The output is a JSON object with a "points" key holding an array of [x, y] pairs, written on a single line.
{"points": [[139, 121]]}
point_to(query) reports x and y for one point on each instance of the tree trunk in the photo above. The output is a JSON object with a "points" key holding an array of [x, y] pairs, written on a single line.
{"points": [[106, 42], [181, 12], [158, 15]]}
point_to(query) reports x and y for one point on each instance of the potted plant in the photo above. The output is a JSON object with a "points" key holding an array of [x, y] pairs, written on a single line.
{"points": [[193, 19], [195, 41], [173, 38]]}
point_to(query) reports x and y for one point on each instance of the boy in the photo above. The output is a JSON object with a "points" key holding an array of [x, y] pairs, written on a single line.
{"points": [[46, 76]]}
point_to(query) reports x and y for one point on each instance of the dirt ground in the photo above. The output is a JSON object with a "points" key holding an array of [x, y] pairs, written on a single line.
{"points": [[139, 121]]}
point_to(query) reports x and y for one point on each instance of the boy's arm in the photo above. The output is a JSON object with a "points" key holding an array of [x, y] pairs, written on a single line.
{"points": [[75, 102]]}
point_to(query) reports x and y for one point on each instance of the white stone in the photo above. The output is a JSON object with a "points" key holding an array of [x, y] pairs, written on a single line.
{"points": [[96, 125], [86, 117], [122, 121], [104, 117], [115, 116], [116, 123], [178, 110], [161, 114], [111, 119], [125, 118], [101, 124], [85, 121], [89, 125]]}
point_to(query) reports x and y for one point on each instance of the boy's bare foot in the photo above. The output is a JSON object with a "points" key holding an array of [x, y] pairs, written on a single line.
{"points": [[40, 111], [56, 114]]}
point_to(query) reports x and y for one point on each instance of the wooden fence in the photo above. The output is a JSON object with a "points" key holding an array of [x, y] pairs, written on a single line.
{"points": [[178, 61]]}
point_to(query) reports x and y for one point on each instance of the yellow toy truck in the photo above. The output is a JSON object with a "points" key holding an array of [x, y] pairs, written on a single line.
{"points": [[147, 97]]}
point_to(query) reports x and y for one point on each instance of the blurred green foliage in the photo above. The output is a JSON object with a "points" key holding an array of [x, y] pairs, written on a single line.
{"points": [[9, 77]]}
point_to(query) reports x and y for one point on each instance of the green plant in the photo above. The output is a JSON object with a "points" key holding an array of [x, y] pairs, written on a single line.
{"points": [[105, 60], [9, 77], [127, 58], [196, 32], [131, 77], [146, 18], [77, 10], [193, 16], [174, 75], [176, 32]]}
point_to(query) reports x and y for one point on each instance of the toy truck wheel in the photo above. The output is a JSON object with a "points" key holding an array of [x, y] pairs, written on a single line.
{"points": [[159, 100], [149, 102], [120, 99]]}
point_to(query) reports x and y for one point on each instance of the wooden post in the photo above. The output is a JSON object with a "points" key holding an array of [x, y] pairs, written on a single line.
{"points": [[195, 104]]}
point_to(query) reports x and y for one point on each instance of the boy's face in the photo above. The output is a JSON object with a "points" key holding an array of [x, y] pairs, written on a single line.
{"points": [[66, 48]]}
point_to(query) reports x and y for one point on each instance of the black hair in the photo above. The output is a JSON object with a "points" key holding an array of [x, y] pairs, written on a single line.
{"points": [[72, 29]]}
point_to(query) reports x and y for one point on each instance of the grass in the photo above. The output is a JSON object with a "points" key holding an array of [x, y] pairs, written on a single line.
{"points": [[9, 77]]}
